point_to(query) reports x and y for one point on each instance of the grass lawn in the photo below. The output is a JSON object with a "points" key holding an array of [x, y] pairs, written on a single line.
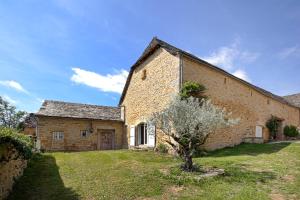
{"points": [[252, 171]]}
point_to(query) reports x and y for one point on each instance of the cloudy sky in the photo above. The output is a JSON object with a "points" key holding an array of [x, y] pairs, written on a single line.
{"points": [[81, 51]]}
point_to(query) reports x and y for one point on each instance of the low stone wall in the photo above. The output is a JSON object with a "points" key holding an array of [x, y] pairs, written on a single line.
{"points": [[11, 168]]}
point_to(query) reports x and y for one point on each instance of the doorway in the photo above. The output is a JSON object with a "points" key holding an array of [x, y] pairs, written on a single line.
{"points": [[106, 139]]}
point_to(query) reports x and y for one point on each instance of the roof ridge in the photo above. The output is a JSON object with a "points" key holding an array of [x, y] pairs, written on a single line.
{"points": [[80, 104], [289, 95]]}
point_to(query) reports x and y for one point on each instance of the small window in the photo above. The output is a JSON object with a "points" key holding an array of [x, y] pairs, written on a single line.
{"points": [[84, 133], [251, 93], [144, 74], [268, 101], [225, 81], [58, 135]]}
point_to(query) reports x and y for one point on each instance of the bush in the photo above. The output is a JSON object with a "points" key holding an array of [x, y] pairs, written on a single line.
{"points": [[162, 148], [22, 143], [273, 124], [194, 89], [290, 131]]}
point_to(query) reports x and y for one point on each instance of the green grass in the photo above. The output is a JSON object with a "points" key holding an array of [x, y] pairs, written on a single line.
{"points": [[252, 171]]}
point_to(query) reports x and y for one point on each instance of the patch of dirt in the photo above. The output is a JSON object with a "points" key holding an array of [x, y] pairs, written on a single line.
{"points": [[288, 178], [171, 192], [210, 173], [277, 196], [175, 189], [164, 171]]}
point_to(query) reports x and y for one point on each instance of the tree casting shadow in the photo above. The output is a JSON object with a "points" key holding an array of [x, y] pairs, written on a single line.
{"points": [[41, 180]]}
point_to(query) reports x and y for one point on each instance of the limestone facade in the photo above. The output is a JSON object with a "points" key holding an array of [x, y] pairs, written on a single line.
{"points": [[150, 94], [252, 107], [72, 128], [167, 68]]}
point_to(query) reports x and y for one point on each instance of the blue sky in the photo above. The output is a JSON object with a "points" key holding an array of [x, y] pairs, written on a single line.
{"points": [[81, 51]]}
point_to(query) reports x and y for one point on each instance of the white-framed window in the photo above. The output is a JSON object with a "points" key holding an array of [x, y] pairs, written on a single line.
{"points": [[58, 135], [84, 133], [142, 134]]}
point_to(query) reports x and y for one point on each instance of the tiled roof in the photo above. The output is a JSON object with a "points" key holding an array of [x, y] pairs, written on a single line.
{"points": [[293, 99], [76, 110], [30, 121]]}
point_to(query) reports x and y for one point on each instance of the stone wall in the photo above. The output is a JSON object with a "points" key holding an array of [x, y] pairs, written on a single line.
{"points": [[71, 128], [151, 93], [11, 168], [252, 107], [29, 131]]}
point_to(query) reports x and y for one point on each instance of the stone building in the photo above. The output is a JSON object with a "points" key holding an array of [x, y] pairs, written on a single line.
{"points": [[152, 81], [76, 127], [30, 125]]}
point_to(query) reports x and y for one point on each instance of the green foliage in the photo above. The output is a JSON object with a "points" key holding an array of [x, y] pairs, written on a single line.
{"points": [[273, 125], [290, 131], [162, 148], [22, 143], [9, 116], [193, 89]]}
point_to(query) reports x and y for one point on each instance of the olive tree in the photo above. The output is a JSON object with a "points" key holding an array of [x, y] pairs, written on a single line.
{"points": [[189, 122]]}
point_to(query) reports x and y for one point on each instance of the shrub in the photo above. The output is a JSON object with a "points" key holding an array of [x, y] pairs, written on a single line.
{"points": [[22, 143], [162, 148], [290, 131], [273, 124], [193, 89]]}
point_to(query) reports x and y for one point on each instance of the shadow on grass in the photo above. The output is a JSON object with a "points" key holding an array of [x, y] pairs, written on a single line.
{"points": [[248, 149], [233, 175], [41, 180], [239, 174]]}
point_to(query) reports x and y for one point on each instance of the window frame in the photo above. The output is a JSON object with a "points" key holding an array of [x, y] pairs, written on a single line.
{"points": [[86, 133], [58, 135], [142, 129]]}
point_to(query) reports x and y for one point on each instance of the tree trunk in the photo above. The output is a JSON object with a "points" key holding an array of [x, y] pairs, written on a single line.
{"points": [[188, 161]]}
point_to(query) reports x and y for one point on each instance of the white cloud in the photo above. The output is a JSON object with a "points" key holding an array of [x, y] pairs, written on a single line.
{"points": [[242, 75], [227, 56], [10, 100], [289, 52], [14, 85], [231, 57], [223, 57], [106, 83]]}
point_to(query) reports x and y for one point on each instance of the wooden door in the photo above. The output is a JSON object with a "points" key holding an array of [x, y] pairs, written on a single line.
{"points": [[106, 140]]}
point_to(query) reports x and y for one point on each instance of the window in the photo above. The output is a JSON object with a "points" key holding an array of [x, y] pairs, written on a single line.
{"points": [[225, 81], [142, 134], [259, 131], [58, 135], [268, 101], [84, 133], [144, 74]]}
